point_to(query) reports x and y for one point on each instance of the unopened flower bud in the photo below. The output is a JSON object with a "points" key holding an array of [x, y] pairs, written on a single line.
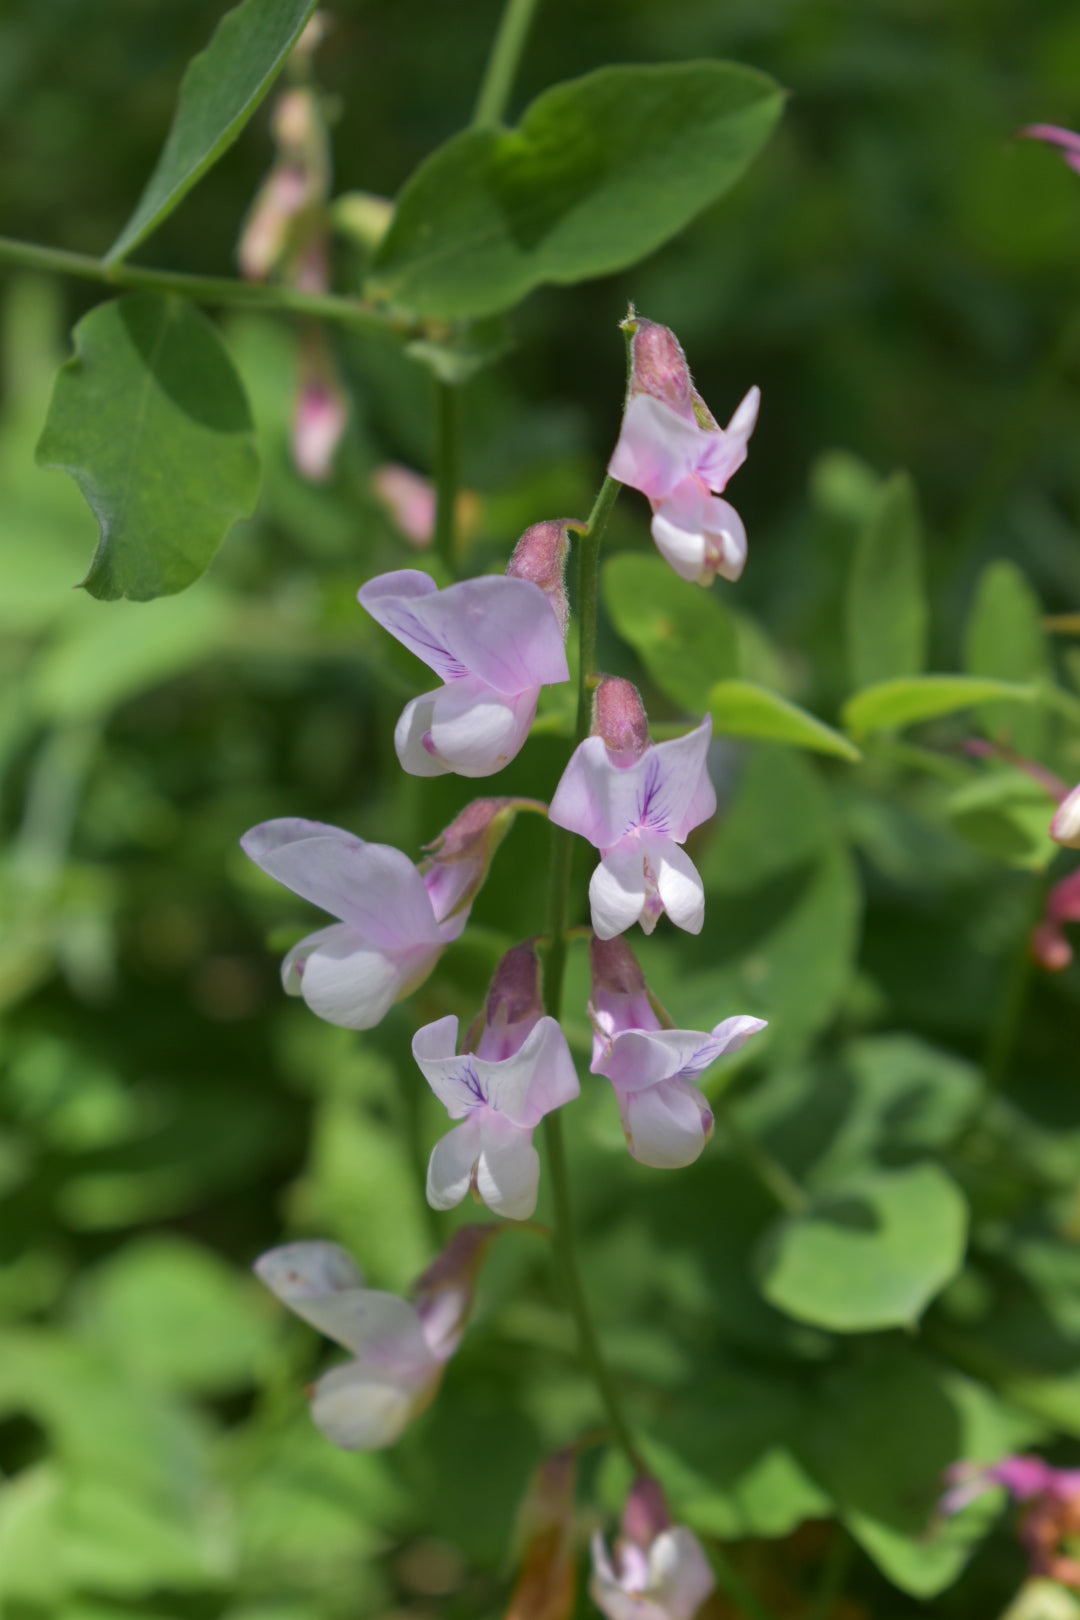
{"points": [[645, 1513], [619, 718], [545, 1588], [444, 1293], [540, 556], [1065, 827], [458, 861], [658, 367], [318, 423], [1050, 948], [513, 1007], [410, 500]]}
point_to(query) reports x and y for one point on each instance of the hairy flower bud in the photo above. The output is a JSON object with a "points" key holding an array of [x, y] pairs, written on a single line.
{"points": [[619, 718], [514, 1004], [658, 367], [645, 1513], [540, 556]]}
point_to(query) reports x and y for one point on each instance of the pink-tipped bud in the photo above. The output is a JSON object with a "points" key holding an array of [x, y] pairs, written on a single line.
{"points": [[645, 1515], [410, 500], [318, 423], [1065, 827], [540, 557], [619, 718], [458, 861], [514, 1003], [444, 1293], [658, 367], [1050, 949], [615, 969]]}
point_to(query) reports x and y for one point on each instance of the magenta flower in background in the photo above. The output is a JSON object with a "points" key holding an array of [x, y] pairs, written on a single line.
{"points": [[1049, 945], [1050, 1524], [1065, 140], [654, 1068], [400, 1348], [659, 1570], [410, 500], [516, 1068], [637, 801], [321, 412], [494, 642], [673, 451], [390, 933]]}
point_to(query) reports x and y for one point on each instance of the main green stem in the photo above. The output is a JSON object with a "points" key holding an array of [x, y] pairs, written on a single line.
{"points": [[588, 558], [447, 471], [502, 63], [205, 289]]}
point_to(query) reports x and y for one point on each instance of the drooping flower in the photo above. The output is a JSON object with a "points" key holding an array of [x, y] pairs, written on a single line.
{"points": [[1064, 139], [654, 1068], [394, 920], [546, 1588], [1065, 827], [1050, 1524], [672, 450], [659, 1571], [516, 1067], [637, 801], [494, 641], [400, 1347]]}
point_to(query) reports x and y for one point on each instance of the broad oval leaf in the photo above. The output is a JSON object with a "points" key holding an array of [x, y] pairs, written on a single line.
{"points": [[221, 89], [599, 172], [886, 603], [869, 1255], [685, 638], [890, 704], [151, 420], [1004, 639], [741, 709]]}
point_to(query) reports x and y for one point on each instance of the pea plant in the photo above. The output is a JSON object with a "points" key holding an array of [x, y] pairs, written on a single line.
{"points": [[759, 1299]]}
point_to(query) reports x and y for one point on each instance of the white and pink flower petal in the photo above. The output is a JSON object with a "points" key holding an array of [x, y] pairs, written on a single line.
{"points": [[508, 1169], [450, 1167], [666, 1125], [474, 730], [358, 1410], [618, 892]]}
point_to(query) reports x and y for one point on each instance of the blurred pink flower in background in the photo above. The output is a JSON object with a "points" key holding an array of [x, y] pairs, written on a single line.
{"points": [[1064, 139], [1050, 1524], [659, 1570]]}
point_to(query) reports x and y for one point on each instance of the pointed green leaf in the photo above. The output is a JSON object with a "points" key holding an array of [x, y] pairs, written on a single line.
{"points": [[740, 709], [599, 172], [151, 420], [870, 1255], [1004, 638], [891, 704], [686, 638], [886, 603], [221, 89]]}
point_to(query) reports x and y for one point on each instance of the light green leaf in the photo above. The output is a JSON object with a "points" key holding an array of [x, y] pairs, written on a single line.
{"points": [[886, 604], [685, 638], [1004, 638], [221, 89], [599, 172], [740, 709], [151, 420], [870, 1255], [891, 704], [1007, 815]]}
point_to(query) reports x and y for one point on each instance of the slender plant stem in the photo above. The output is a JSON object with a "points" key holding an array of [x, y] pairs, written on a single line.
{"points": [[769, 1171], [1008, 1025], [502, 63], [566, 1251], [206, 289], [447, 471]]}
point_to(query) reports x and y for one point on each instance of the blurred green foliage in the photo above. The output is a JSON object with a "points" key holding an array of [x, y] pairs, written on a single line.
{"points": [[899, 276]]}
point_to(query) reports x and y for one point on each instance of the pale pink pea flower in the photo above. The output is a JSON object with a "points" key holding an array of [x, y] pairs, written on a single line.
{"points": [[395, 920], [400, 1348], [1065, 827], [410, 500], [671, 449], [637, 802], [659, 1570], [1065, 140], [494, 642], [654, 1068], [516, 1068]]}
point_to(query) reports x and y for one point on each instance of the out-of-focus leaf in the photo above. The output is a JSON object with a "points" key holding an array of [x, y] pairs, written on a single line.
{"points": [[685, 638], [1004, 638], [886, 1426], [221, 89], [892, 704], [599, 172], [886, 605], [871, 1254], [177, 1316], [1007, 815], [740, 709], [151, 420]]}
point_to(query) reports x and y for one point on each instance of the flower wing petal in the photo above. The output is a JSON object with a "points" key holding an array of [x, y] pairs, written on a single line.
{"points": [[414, 725], [539, 1077], [657, 448], [348, 983], [450, 1167], [666, 1125], [361, 1412], [508, 1171], [617, 890], [680, 1578], [402, 603], [679, 884], [475, 730]]}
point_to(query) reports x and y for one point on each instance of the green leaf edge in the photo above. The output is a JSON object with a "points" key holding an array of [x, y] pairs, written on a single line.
{"points": [[956, 692], [134, 233], [819, 737]]}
